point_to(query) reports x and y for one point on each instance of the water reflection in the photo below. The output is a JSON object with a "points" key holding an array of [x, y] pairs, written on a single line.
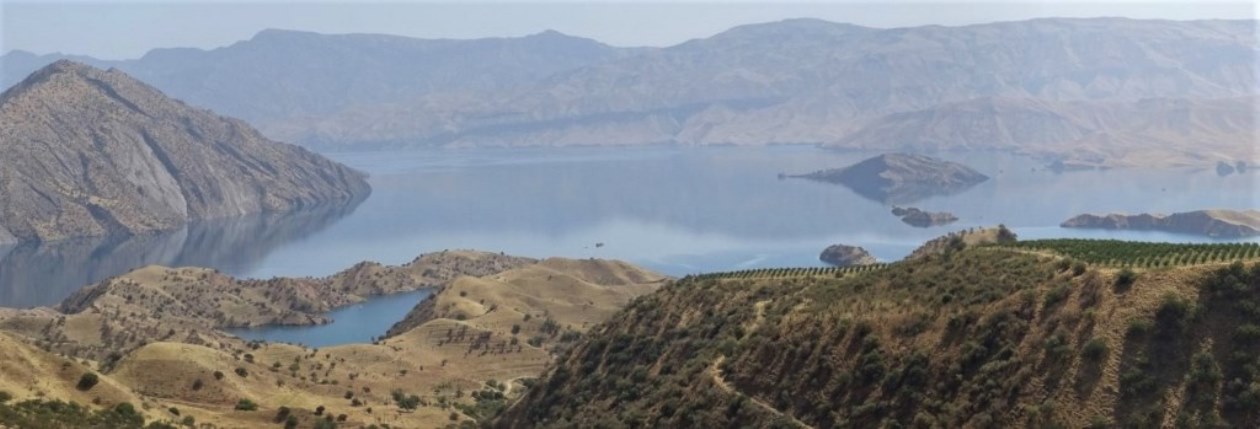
{"points": [[35, 274], [674, 210]]}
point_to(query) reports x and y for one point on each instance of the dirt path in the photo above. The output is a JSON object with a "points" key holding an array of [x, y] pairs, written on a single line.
{"points": [[715, 371]]}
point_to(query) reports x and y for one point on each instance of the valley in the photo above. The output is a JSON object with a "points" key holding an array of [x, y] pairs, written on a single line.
{"points": [[209, 220]]}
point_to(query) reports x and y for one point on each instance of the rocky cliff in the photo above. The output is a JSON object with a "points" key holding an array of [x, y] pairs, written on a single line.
{"points": [[1211, 223], [94, 152]]}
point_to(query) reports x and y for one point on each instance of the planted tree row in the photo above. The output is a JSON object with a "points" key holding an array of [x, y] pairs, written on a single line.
{"points": [[779, 273], [1144, 254]]}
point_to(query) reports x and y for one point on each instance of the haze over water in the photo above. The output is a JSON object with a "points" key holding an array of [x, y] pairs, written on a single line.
{"points": [[674, 210]]}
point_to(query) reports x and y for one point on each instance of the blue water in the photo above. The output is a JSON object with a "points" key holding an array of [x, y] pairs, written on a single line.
{"points": [[358, 323], [674, 210]]}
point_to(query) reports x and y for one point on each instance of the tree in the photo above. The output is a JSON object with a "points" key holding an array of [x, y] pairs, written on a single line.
{"points": [[1005, 235]]}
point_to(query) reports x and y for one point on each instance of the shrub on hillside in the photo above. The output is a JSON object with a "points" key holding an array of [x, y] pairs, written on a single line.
{"points": [[246, 405], [1096, 349], [1125, 279], [87, 381]]}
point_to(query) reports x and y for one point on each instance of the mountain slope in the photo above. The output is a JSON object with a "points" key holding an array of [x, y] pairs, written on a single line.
{"points": [[94, 152], [793, 81], [327, 73], [807, 81], [1147, 132], [979, 337]]}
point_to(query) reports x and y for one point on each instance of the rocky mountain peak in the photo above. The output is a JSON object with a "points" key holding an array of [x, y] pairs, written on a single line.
{"points": [[96, 152]]}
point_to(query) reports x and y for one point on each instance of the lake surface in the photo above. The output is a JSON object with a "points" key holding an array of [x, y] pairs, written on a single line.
{"points": [[358, 323], [674, 210]]}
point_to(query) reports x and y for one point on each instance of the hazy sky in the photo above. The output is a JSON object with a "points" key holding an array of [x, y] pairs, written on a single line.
{"points": [[115, 30]]}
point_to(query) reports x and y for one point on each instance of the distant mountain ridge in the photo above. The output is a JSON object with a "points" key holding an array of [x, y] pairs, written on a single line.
{"points": [[793, 81], [90, 152], [1211, 223], [324, 74]]}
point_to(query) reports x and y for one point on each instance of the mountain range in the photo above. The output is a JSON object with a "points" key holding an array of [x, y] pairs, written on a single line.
{"points": [[1093, 92]]}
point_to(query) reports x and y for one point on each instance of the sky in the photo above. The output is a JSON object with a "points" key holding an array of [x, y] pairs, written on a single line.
{"points": [[121, 30]]}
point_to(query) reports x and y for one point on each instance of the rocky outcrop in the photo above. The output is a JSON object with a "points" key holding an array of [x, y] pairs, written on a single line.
{"points": [[902, 178], [1224, 168], [918, 218], [92, 152], [844, 256], [1210, 223]]}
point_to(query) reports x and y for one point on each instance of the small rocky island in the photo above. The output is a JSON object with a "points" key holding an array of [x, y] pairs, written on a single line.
{"points": [[1210, 223], [901, 178], [846, 256], [923, 219]]}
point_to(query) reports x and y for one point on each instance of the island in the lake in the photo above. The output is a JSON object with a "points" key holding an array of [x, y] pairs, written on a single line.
{"points": [[918, 218], [91, 152], [846, 256], [901, 178], [1210, 223]]}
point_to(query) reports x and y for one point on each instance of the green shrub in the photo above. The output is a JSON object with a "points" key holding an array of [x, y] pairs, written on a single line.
{"points": [[1125, 279], [1173, 315], [1057, 295], [1096, 349], [282, 414], [87, 381], [246, 405], [1139, 327]]}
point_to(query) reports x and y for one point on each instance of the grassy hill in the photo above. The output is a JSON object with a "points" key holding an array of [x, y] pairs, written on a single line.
{"points": [[1035, 334], [151, 340], [190, 305]]}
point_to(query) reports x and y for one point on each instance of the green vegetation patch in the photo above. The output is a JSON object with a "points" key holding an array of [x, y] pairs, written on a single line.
{"points": [[1141, 254]]}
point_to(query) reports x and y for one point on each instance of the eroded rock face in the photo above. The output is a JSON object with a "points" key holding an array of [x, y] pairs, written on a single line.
{"points": [[843, 256], [92, 152], [902, 178], [1211, 223]]}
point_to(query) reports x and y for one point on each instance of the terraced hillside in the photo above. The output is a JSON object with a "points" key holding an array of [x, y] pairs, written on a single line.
{"points": [[977, 336]]}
